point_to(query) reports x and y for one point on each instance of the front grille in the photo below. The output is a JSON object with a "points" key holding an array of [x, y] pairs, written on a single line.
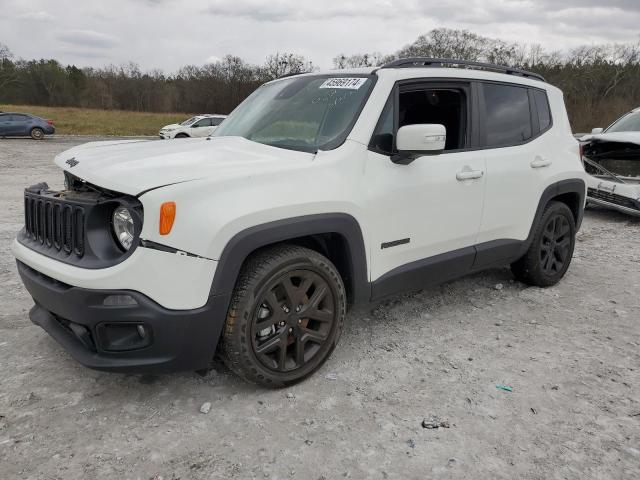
{"points": [[613, 198], [55, 224]]}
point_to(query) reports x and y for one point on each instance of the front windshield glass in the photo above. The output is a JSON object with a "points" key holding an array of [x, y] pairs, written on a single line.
{"points": [[189, 122], [308, 113], [628, 123]]}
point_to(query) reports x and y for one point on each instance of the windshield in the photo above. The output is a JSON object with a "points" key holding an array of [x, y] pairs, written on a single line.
{"points": [[628, 123], [308, 113], [189, 122]]}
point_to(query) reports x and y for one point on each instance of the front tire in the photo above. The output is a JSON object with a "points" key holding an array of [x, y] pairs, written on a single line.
{"points": [[551, 250], [181, 135], [286, 316], [37, 133]]}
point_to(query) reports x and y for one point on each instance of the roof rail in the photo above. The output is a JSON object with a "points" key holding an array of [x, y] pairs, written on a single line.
{"points": [[417, 62]]}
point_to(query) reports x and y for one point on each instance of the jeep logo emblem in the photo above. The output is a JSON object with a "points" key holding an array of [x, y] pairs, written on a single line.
{"points": [[72, 162]]}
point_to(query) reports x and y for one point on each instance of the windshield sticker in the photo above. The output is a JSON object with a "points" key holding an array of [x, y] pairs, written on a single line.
{"points": [[344, 83]]}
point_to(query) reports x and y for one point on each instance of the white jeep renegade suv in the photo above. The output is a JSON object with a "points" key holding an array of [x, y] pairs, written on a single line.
{"points": [[319, 191]]}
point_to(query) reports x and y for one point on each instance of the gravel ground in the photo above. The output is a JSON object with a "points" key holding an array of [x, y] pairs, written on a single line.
{"points": [[571, 354]]}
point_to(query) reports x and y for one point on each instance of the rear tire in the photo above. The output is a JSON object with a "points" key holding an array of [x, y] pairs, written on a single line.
{"points": [[285, 317], [551, 250], [37, 133]]}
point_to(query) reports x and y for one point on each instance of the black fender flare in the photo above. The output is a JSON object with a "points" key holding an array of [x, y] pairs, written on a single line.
{"points": [[573, 185], [242, 244]]}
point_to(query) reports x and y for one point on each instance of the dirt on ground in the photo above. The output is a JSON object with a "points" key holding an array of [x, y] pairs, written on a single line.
{"points": [[445, 357]]}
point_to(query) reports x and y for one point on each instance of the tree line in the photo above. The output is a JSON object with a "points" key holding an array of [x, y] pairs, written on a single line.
{"points": [[600, 82]]}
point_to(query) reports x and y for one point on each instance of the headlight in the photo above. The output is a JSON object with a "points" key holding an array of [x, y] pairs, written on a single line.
{"points": [[123, 227]]}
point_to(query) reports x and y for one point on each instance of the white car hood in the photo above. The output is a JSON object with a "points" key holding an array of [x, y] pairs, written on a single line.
{"points": [[621, 137], [172, 126], [135, 166]]}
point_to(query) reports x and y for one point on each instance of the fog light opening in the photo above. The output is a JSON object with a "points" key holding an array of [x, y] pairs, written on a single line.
{"points": [[121, 337], [119, 301]]}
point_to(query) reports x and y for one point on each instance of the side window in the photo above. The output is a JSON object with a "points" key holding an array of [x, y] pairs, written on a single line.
{"points": [[542, 105], [205, 122], [507, 115], [445, 106], [215, 121]]}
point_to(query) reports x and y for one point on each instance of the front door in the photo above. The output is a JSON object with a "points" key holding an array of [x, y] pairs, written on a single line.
{"points": [[202, 128], [424, 216]]}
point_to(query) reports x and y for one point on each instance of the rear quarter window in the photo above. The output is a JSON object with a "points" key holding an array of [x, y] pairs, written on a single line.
{"points": [[542, 106], [507, 115]]}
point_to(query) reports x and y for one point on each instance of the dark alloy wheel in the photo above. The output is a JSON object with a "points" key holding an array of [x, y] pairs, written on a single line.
{"points": [[551, 249], [292, 320], [555, 245], [285, 317], [37, 133]]}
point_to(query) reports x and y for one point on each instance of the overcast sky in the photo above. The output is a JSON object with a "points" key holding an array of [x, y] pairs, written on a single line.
{"points": [[167, 34]]}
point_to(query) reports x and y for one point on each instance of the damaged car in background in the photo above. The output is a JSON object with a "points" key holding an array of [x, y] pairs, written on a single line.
{"points": [[612, 159]]}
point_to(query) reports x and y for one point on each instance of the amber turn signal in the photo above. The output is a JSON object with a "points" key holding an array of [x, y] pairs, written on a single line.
{"points": [[167, 216]]}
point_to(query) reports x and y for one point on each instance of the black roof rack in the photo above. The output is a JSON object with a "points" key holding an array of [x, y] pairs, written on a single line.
{"points": [[414, 62]]}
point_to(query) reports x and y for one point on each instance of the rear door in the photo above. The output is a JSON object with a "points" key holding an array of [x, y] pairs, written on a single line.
{"points": [[21, 124], [215, 122], [518, 160]]}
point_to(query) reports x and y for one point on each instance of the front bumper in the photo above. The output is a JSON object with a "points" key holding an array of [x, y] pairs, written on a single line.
{"points": [[93, 332]]}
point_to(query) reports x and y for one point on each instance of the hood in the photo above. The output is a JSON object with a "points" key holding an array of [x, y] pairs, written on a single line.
{"points": [[173, 125], [135, 166], [617, 137]]}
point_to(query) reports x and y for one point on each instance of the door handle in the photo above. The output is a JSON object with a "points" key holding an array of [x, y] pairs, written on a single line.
{"points": [[540, 162], [468, 174]]}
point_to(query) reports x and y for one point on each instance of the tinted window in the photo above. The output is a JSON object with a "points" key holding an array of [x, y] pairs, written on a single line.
{"points": [[508, 117], [205, 122], [542, 105], [436, 106], [442, 106], [216, 121]]}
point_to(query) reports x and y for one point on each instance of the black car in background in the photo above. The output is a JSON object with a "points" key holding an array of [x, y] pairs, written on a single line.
{"points": [[24, 125]]}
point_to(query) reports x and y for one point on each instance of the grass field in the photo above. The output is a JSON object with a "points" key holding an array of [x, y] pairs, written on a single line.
{"points": [[88, 121]]}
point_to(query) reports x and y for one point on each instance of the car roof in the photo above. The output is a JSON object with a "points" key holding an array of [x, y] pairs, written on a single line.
{"points": [[423, 67]]}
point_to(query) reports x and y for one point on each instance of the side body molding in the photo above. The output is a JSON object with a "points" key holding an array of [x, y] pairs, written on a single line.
{"points": [[243, 243], [458, 263]]}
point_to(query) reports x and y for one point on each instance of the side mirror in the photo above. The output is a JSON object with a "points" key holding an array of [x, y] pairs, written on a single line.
{"points": [[413, 141], [597, 131], [195, 125]]}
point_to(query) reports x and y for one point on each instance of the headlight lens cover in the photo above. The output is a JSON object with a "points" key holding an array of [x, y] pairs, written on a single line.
{"points": [[123, 227]]}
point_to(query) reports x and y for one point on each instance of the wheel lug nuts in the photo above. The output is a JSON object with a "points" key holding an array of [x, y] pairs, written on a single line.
{"points": [[298, 308], [282, 324], [290, 330], [299, 320]]}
